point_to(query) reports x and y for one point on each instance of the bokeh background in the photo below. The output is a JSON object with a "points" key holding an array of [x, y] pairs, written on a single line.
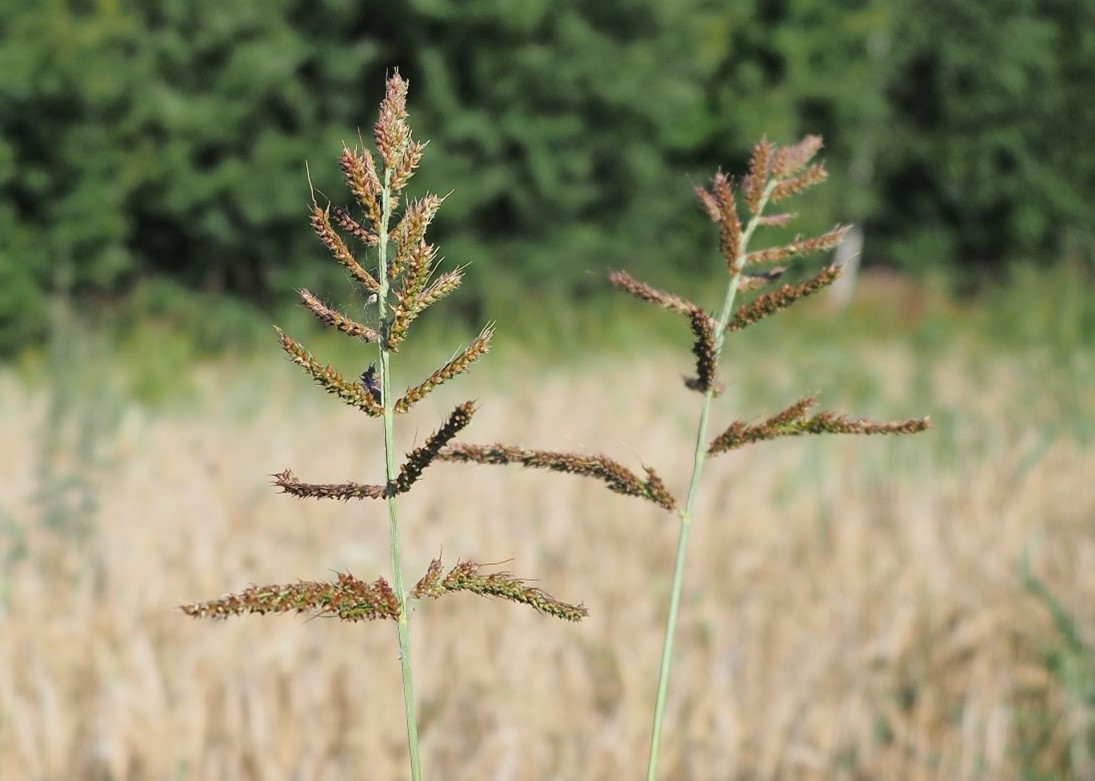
{"points": [[856, 609]]}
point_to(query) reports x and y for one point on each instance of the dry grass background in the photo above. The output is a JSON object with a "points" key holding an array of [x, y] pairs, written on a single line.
{"points": [[853, 609]]}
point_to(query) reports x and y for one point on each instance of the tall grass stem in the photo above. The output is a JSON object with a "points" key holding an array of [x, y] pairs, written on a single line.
{"points": [[698, 458], [402, 626]]}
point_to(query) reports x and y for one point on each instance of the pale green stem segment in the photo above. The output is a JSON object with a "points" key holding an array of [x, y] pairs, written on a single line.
{"points": [[389, 459], [693, 490]]}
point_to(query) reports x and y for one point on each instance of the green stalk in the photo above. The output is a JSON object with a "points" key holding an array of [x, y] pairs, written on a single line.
{"points": [[402, 625], [698, 458]]}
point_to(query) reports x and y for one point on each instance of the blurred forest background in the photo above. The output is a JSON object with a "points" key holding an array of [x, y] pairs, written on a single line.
{"points": [[152, 154]]}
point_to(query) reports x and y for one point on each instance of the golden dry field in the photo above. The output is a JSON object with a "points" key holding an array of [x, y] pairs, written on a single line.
{"points": [[855, 608]]}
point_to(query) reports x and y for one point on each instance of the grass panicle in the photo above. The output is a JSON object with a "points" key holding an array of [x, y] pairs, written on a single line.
{"points": [[775, 174], [402, 282]]}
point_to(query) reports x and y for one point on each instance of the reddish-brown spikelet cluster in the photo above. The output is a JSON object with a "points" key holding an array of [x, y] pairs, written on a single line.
{"points": [[465, 576], [617, 477], [347, 598], [793, 421]]}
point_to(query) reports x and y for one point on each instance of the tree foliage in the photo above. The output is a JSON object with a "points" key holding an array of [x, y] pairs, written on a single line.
{"points": [[169, 138]]}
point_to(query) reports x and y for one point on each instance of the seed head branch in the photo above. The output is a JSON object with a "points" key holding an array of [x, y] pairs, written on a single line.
{"points": [[351, 393], [337, 320], [793, 422], [421, 457], [644, 292], [617, 477], [769, 303], [461, 363], [348, 599], [465, 576], [288, 483]]}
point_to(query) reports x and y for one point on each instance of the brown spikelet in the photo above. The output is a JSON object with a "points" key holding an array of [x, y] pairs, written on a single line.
{"points": [[617, 477], [793, 422], [288, 483], [321, 223], [769, 303], [418, 264], [457, 365], [644, 292], [704, 350], [348, 599], [799, 246], [751, 280], [330, 380], [411, 230], [421, 457], [784, 189], [408, 162], [788, 160], [363, 181], [465, 576], [776, 220], [729, 224], [391, 133], [345, 222], [337, 320], [753, 184]]}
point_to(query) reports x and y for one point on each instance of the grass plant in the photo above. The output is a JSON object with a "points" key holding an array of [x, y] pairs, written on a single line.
{"points": [[403, 280]]}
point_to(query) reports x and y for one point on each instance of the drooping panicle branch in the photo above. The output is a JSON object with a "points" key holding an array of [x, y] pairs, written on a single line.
{"points": [[421, 457], [461, 363], [351, 393], [465, 576], [721, 207], [617, 477], [348, 599], [644, 292], [793, 421], [704, 349], [288, 483], [321, 223], [769, 303], [336, 319]]}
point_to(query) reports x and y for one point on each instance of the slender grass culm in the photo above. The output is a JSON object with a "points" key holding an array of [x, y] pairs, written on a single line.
{"points": [[775, 173], [404, 283]]}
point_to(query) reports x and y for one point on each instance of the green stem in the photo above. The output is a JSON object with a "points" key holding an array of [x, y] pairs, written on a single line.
{"points": [[698, 458], [402, 626]]}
